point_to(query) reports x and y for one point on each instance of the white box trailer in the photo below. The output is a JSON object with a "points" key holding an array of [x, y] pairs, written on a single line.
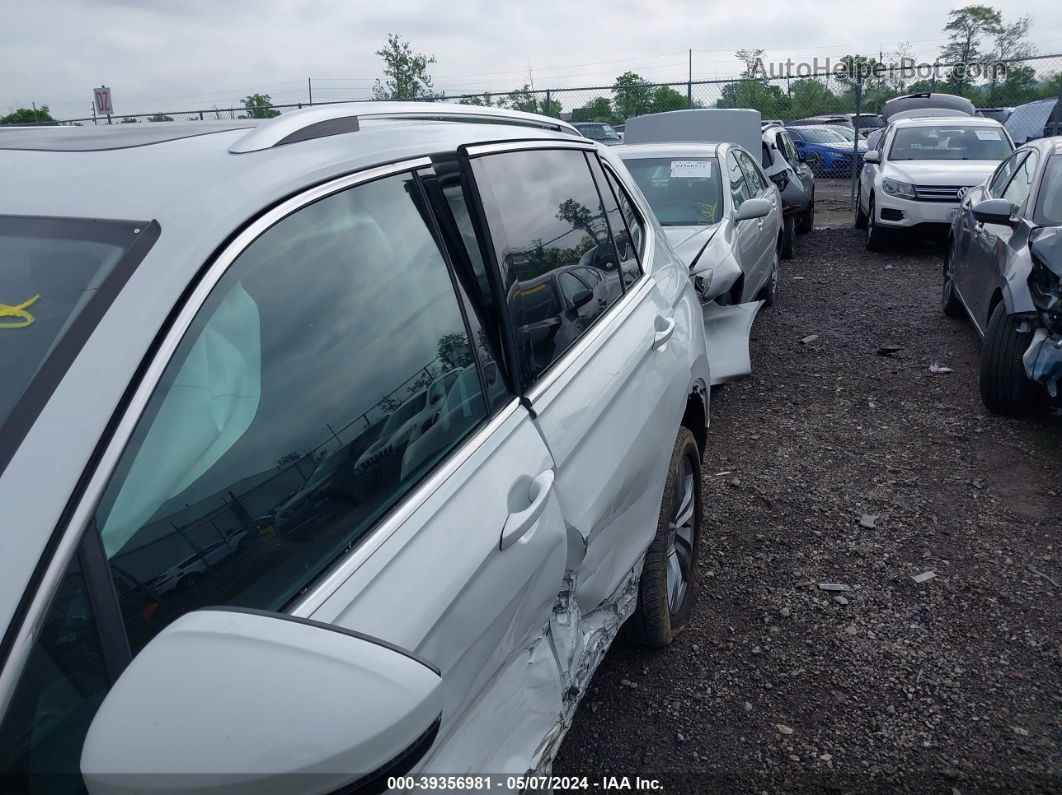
{"points": [[741, 127]]}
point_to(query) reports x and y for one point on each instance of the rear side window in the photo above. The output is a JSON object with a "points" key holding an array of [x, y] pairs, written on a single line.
{"points": [[617, 224], [328, 371], [753, 176], [546, 220], [739, 191]]}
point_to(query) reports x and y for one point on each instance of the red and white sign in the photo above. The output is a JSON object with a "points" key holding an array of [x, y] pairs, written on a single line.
{"points": [[102, 97]]}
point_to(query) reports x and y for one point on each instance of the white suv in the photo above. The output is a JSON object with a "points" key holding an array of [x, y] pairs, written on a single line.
{"points": [[918, 170], [212, 319]]}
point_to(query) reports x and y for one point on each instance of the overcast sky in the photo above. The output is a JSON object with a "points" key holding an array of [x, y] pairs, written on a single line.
{"points": [[185, 54]]}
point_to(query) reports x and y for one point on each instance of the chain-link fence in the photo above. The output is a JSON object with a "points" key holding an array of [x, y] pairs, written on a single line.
{"points": [[779, 91]]}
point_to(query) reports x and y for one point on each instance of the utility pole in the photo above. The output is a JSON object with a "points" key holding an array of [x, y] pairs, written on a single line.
{"points": [[855, 127], [309, 87], [689, 84]]}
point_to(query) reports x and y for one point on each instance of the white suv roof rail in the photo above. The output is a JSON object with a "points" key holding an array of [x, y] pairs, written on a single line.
{"points": [[342, 117]]}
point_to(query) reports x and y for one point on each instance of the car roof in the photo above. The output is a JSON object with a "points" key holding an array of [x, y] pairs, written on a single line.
{"points": [[670, 149], [1046, 146], [200, 193], [951, 121]]}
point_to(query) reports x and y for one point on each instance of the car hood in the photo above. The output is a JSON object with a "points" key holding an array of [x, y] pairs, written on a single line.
{"points": [[689, 241], [941, 172]]}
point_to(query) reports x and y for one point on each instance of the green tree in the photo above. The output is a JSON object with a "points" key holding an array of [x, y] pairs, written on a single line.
{"points": [[127, 120], [1020, 85], [160, 117], [259, 106], [631, 96], [454, 351], [810, 97], [28, 116], [486, 99], [597, 109], [759, 95], [966, 27], [666, 98], [405, 72]]}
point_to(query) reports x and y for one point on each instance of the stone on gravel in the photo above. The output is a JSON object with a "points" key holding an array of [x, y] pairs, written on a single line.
{"points": [[924, 576], [809, 339], [869, 521], [783, 729], [939, 368], [889, 350], [840, 600], [834, 586]]}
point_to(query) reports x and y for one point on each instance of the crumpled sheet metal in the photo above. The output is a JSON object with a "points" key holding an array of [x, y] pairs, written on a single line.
{"points": [[1043, 360], [580, 642], [727, 330]]}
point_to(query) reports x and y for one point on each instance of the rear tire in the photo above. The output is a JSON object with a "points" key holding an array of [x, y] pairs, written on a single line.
{"points": [[668, 588], [788, 236], [861, 217], [806, 220], [950, 302], [1005, 389]]}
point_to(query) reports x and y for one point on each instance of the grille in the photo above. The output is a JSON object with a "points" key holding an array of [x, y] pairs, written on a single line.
{"points": [[938, 193]]}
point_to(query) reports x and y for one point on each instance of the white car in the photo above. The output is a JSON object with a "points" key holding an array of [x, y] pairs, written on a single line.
{"points": [[724, 218], [720, 212], [199, 312], [921, 168]]}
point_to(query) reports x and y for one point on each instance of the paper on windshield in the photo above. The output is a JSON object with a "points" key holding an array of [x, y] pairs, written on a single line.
{"points": [[988, 135], [686, 169]]}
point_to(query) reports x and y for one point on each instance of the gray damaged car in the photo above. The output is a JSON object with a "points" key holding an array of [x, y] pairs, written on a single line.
{"points": [[1003, 268]]}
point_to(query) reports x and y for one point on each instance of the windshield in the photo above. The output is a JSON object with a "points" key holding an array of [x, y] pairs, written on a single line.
{"points": [[821, 135], [1049, 204], [847, 133], [50, 270], [869, 121], [949, 143], [599, 132], [682, 191]]}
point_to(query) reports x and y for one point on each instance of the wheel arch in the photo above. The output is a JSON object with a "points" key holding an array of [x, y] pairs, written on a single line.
{"points": [[695, 415]]}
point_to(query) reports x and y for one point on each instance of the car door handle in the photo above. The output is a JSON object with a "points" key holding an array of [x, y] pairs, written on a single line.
{"points": [[665, 327], [519, 522]]}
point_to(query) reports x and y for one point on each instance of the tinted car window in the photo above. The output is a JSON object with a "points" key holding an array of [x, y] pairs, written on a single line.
{"points": [[617, 223], [1021, 185], [1049, 203], [635, 226], [739, 191], [683, 191], [282, 428], [1004, 173], [753, 177], [546, 217], [62, 685]]}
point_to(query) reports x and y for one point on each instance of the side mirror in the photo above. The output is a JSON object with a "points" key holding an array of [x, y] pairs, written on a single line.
{"points": [[994, 211], [582, 298], [230, 700], [752, 208], [872, 156]]}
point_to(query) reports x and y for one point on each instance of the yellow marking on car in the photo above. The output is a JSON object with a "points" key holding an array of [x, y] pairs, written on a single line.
{"points": [[18, 311]]}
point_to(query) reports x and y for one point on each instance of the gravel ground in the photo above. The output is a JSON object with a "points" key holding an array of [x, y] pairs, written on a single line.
{"points": [[834, 464]]}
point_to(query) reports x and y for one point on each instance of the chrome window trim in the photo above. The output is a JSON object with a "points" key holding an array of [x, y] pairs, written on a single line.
{"points": [[515, 146], [344, 569], [83, 513]]}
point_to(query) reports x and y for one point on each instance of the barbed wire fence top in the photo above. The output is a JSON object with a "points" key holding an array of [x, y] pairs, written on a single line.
{"points": [[782, 91]]}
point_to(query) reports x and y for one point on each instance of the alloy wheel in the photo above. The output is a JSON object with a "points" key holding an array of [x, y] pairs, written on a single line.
{"points": [[679, 560]]}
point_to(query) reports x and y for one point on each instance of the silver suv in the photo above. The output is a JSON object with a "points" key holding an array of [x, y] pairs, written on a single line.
{"points": [[439, 388]]}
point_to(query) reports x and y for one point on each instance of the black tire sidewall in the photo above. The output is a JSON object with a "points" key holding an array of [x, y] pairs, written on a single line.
{"points": [[1005, 389]]}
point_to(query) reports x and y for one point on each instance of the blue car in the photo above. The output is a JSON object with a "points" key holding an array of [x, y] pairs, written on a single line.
{"points": [[826, 149]]}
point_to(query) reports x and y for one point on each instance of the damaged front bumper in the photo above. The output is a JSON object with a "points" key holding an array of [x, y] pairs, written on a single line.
{"points": [[727, 329], [1043, 360]]}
